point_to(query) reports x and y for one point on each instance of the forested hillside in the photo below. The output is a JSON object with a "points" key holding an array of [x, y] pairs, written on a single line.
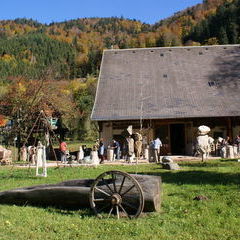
{"points": [[74, 48], [223, 27], [71, 51]]}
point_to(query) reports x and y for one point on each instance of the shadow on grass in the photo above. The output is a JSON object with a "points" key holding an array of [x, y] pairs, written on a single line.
{"points": [[229, 160], [197, 177], [222, 163], [83, 212], [12, 176], [18, 174]]}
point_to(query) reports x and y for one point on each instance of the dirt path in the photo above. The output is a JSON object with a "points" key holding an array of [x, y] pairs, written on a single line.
{"points": [[118, 162]]}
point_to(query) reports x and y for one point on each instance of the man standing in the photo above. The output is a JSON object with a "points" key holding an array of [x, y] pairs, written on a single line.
{"points": [[63, 151], [101, 150], [157, 144], [116, 148]]}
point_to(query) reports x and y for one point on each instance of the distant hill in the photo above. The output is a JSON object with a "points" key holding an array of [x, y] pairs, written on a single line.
{"points": [[222, 27], [73, 49]]}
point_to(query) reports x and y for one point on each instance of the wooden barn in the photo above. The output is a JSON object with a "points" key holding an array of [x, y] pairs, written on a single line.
{"points": [[169, 92]]}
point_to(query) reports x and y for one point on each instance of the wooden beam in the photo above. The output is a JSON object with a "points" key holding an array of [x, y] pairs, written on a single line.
{"points": [[229, 128]]}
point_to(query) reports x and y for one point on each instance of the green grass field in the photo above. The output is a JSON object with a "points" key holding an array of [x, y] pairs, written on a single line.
{"points": [[181, 217]]}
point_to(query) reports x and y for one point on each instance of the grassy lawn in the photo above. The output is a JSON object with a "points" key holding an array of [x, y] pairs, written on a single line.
{"points": [[181, 217]]}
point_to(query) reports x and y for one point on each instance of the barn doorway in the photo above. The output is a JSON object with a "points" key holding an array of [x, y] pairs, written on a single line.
{"points": [[177, 136], [162, 133]]}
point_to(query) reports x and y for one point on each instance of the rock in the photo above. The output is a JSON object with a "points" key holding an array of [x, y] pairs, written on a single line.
{"points": [[110, 154], [200, 198], [4, 153], [87, 160], [5, 156], [167, 159], [6, 161], [146, 154], [230, 152], [235, 151], [223, 152], [94, 157], [171, 166], [203, 130], [131, 158]]}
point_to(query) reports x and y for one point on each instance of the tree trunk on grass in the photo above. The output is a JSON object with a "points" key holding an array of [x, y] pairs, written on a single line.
{"points": [[74, 194]]}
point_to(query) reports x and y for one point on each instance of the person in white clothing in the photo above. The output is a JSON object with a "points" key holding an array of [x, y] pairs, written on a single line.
{"points": [[157, 144]]}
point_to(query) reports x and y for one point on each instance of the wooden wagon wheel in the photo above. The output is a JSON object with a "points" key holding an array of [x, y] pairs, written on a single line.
{"points": [[116, 193]]}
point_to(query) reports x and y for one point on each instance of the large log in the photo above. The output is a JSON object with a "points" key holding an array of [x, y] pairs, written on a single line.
{"points": [[74, 194]]}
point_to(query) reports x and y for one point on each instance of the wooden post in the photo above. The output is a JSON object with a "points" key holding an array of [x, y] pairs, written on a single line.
{"points": [[229, 128], [19, 134]]}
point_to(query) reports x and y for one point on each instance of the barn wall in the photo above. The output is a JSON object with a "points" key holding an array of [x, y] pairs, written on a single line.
{"points": [[152, 129], [106, 133]]}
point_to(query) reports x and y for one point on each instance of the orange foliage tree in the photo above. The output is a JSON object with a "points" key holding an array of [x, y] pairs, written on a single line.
{"points": [[25, 99]]}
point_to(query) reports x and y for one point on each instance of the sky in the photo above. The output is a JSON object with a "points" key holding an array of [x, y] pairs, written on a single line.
{"points": [[47, 11]]}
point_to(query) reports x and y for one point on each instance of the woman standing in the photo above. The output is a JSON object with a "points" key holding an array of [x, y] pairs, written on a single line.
{"points": [[101, 149]]}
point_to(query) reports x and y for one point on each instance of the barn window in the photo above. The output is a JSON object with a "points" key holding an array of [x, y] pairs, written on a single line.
{"points": [[213, 83]]}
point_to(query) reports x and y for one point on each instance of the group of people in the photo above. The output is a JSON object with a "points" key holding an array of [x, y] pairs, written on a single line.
{"points": [[226, 143], [102, 150], [235, 142], [126, 150], [224, 147], [129, 149], [30, 153]]}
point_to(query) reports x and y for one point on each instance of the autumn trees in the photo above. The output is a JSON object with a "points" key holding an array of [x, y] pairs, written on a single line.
{"points": [[25, 98], [223, 27], [75, 47], [45, 65], [69, 100], [31, 54]]}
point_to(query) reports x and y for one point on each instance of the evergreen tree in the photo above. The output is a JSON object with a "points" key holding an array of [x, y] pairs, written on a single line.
{"points": [[222, 36], [232, 33]]}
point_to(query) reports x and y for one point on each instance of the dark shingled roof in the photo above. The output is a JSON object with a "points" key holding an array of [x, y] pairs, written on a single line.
{"points": [[165, 83]]}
